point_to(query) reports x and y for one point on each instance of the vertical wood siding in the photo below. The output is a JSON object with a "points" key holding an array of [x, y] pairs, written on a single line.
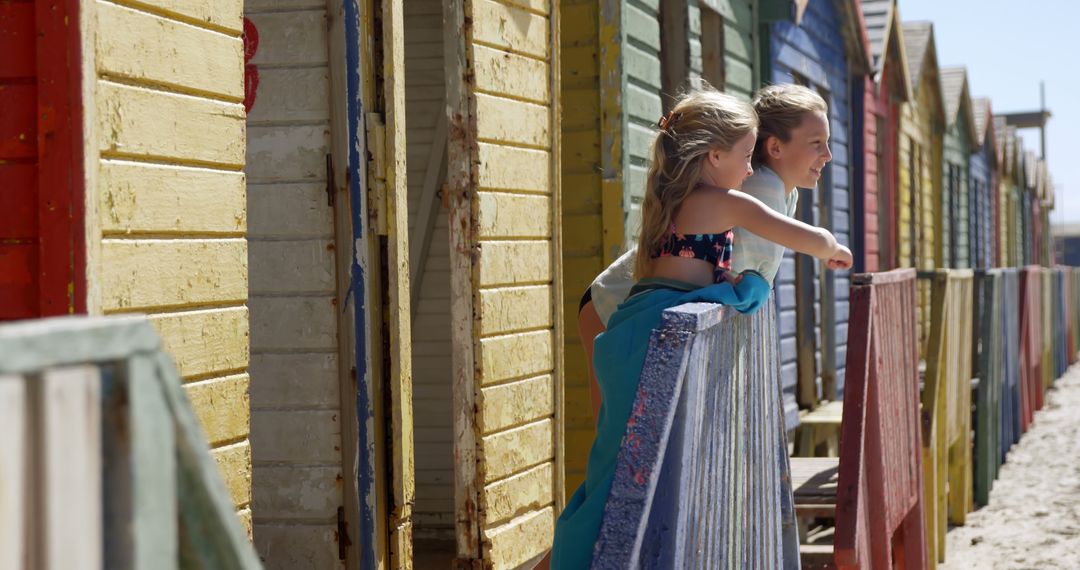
{"points": [[166, 138], [296, 415]]}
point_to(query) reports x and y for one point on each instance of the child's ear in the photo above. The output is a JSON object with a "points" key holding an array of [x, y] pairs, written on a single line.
{"points": [[772, 145]]}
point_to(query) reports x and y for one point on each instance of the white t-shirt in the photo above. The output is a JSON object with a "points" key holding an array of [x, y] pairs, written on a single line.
{"points": [[613, 285]]}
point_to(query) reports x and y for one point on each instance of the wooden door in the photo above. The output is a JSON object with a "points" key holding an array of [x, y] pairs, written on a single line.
{"points": [[42, 252], [506, 288]]}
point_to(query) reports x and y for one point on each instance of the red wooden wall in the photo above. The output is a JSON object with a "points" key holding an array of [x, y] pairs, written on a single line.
{"points": [[42, 252]]}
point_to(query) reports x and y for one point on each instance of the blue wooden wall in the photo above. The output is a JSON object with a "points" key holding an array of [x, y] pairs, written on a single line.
{"points": [[813, 53], [979, 180]]}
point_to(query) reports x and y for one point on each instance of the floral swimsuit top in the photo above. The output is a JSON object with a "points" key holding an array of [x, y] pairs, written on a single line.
{"points": [[713, 248]]}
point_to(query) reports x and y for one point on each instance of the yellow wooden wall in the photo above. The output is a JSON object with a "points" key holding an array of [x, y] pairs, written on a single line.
{"points": [[506, 287], [582, 252], [166, 207], [921, 136]]}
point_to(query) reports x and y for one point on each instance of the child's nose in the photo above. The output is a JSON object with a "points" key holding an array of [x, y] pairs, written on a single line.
{"points": [[828, 153]]}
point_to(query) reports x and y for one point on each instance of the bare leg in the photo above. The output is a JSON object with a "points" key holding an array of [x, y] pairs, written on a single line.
{"points": [[589, 326]]}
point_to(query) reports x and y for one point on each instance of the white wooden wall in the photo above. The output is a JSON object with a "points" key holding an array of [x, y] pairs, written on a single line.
{"points": [[296, 420], [424, 99]]}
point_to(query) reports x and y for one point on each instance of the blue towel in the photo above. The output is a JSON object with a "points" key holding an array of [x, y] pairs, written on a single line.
{"points": [[618, 357]]}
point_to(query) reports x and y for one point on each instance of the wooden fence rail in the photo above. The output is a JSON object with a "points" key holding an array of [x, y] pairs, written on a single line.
{"points": [[1031, 380], [102, 461], [702, 479], [989, 368]]}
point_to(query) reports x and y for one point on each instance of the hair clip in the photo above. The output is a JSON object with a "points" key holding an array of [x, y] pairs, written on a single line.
{"points": [[668, 120]]}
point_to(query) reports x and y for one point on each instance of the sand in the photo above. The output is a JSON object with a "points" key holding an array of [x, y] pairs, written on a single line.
{"points": [[1033, 519]]}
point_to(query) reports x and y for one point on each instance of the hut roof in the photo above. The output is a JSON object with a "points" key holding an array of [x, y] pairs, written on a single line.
{"points": [[986, 126], [954, 90], [882, 22], [917, 38]]}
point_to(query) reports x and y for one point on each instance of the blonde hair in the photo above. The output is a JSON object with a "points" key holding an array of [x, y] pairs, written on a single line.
{"points": [[781, 108], [701, 120]]}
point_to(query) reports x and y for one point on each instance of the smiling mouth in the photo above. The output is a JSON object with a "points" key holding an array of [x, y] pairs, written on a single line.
{"points": [[816, 171]]}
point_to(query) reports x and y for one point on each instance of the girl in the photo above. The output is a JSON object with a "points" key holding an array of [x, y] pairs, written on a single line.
{"points": [[791, 150], [703, 150]]}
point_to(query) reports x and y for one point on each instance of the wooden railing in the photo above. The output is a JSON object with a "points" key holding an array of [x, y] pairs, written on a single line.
{"points": [[946, 405], [702, 479], [102, 461]]}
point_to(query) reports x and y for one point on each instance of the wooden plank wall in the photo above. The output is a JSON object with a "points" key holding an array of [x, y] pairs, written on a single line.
{"points": [[814, 52], [740, 41], [981, 209], [583, 255], [296, 414], [425, 88], [637, 29], [957, 152], [165, 136], [505, 276]]}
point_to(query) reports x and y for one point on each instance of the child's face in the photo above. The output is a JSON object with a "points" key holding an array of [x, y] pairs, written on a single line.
{"points": [[800, 160], [729, 168]]}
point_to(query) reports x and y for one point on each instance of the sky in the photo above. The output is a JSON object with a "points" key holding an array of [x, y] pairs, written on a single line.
{"points": [[1008, 47]]}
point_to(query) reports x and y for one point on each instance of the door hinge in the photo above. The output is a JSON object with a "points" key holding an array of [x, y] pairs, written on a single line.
{"points": [[343, 534], [375, 130], [330, 180]]}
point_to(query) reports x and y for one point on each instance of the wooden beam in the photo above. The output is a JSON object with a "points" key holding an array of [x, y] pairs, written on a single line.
{"points": [[434, 176]]}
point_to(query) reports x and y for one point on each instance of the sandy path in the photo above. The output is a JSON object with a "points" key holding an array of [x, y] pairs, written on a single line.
{"points": [[1033, 519]]}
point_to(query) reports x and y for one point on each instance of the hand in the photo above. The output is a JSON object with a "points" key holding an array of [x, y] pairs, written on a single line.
{"points": [[841, 259]]}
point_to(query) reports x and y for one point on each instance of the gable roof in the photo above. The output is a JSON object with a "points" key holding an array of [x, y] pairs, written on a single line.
{"points": [[957, 99], [853, 30], [886, 40], [917, 38], [985, 125]]}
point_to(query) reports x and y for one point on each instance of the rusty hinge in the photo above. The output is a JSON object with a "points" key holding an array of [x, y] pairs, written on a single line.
{"points": [[330, 180], [343, 534], [375, 130]]}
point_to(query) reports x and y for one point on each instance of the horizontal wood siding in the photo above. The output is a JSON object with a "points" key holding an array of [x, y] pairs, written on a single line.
{"points": [[167, 137], [296, 419], [582, 252], [981, 209], [512, 279], [814, 52], [641, 104]]}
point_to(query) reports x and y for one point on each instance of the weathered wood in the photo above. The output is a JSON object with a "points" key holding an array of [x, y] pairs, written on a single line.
{"points": [[421, 235], [205, 341], [164, 199], [510, 451], [138, 122], [225, 16], [140, 274], [171, 54], [519, 494], [507, 405], [515, 544], [515, 355], [705, 450], [15, 496], [68, 483]]}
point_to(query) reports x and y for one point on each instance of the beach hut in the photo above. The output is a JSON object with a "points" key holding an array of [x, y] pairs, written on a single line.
{"points": [[953, 218], [983, 166], [821, 45], [877, 100], [120, 126], [405, 282], [921, 128]]}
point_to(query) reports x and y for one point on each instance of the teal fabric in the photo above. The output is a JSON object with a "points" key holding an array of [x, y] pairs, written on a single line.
{"points": [[618, 357]]}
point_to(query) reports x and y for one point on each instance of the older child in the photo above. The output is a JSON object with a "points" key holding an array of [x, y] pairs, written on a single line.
{"points": [[703, 151]]}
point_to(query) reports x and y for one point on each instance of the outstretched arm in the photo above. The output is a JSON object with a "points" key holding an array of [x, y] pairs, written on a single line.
{"points": [[758, 218]]}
